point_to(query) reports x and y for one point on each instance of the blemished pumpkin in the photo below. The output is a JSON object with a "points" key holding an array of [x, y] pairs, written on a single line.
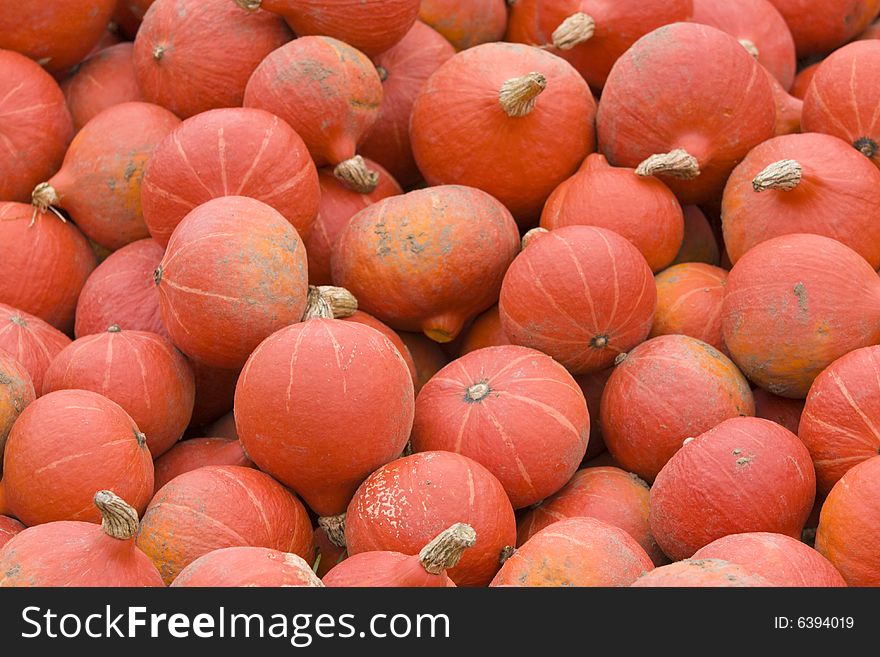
{"points": [[850, 522], [807, 183], [31, 341], [781, 410], [229, 152], [580, 294], [65, 446], [191, 56], [194, 453], [641, 209], [247, 566], [16, 392], [826, 25], [220, 506], [793, 305], [749, 475], [99, 182], [427, 261], [247, 278], [36, 125], [517, 121], [699, 243], [76, 553], [644, 121], [689, 300], [701, 573], [522, 414], [466, 23], [576, 551]]}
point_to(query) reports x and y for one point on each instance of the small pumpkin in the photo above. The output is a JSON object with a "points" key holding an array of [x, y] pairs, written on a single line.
{"points": [[701, 573], [195, 453], [781, 410], [31, 341], [826, 25], [247, 566], [699, 243], [16, 392], [9, 527], [466, 24]]}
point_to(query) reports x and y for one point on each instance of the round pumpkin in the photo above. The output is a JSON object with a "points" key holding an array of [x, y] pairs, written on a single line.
{"points": [[780, 410], [593, 385], [744, 475], [466, 24], [823, 26], [428, 356], [65, 446], [46, 261], [360, 317], [849, 525], [580, 294], [195, 453], [656, 89], [31, 341], [794, 304], [247, 278], [35, 124], [428, 260], [99, 183], [247, 566], [16, 392], [699, 243], [803, 79], [229, 152], [215, 391], [516, 121], [9, 527], [195, 55], [140, 371], [576, 551], [485, 331], [220, 506], [406, 503], [701, 573], [781, 560]]}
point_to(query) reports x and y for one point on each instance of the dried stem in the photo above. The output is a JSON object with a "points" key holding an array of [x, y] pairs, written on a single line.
{"points": [[519, 95], [532, 235], [44, 199], [677, 163], [329, 302], [118, 519], [356, 175], [573, 31], [784, 175], [445, 550], [334, 527]]}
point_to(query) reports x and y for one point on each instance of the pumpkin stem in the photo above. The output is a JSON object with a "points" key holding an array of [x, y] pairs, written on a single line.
{"points": [[118, 519], [445, 550], [532, 235], [250, 5], [477, 392], [383, 73], [157, 275], [334, 527], [866, 146], [158, 51], [619, 358], [356, 175], [44, 198], [506, 552], [573, 31], [784, 175], [750, 47], [677, 163], [519, 95], [114, 328], [329, 302]]}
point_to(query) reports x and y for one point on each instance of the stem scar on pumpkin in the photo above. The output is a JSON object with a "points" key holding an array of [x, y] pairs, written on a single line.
{"points": [[519, 95], [599, 341], [477, 392], [866, 146]]}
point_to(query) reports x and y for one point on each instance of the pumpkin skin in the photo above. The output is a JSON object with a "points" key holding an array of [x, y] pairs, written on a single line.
{"points": [[47, 264], [229, 152], [129, 14], [317, 428], [9, 527], [843, 95], [191, 56], [701, 573], [617, 26], [140, 371], [836, 193], [786, 316], [428, 260], [699, 244], [689, 299], [482, 144], [593, 385], [679, 387], [872, 32], [744, 475], [404, 70], [31, 341], [849, 522], [576, 551], [247, 278], [16, 392], [827, 25], [788, 109], [45, 474], [330, 555], [428, 356], [215, 391], [523, 417], [466, 24], [406, 503], [220, 506], [803, 80], [557, 297], [195, 453], [760, 24], [649, 217], [655, 76], [786, 412], [486, 331], [338, 204], [841, 411], [360, 317], [36, 125], [121, 291], [99, 182], [58, 34], [247, 566], [223, 427], [325, 89], [781, 560], [609, 494], [103, 80]]}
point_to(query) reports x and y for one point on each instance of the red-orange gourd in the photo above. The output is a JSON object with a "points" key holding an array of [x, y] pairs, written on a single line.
{"points": [[748, 475], [699, 243], [592, 385], [428, 356], [428, 260], [220, 506], [485, 331], [794, 304], [467, 23], [16, 392], [9, 527], [229, 152], [35, 124], [247, 566], [195, 55], [195, 453], [31, 341], [646, 117], [215, 390], [99, 183], [803, 79], [701, 573], [580, 294], [689, 298], [823, 26], [516, 121], [788, 109], [406, 503], [247, 278], [780, 410], [360, 317], [64, 447]]}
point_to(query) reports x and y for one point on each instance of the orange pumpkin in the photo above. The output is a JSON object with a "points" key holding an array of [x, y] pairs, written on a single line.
{"points": [[467, 23], [780, 410], [826, 25], [428, 356], [215, 390], [247, 566], [789, 109], [593, 385], [9, 527], [31, 341], [701, 573], [16, 392], [196, 453], [803, 79], [360, 317], [699, 243], [689, 299], [485, 331]]}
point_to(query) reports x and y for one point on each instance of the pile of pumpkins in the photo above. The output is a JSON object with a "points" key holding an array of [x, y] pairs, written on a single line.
{"points": [[439, 293]]}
